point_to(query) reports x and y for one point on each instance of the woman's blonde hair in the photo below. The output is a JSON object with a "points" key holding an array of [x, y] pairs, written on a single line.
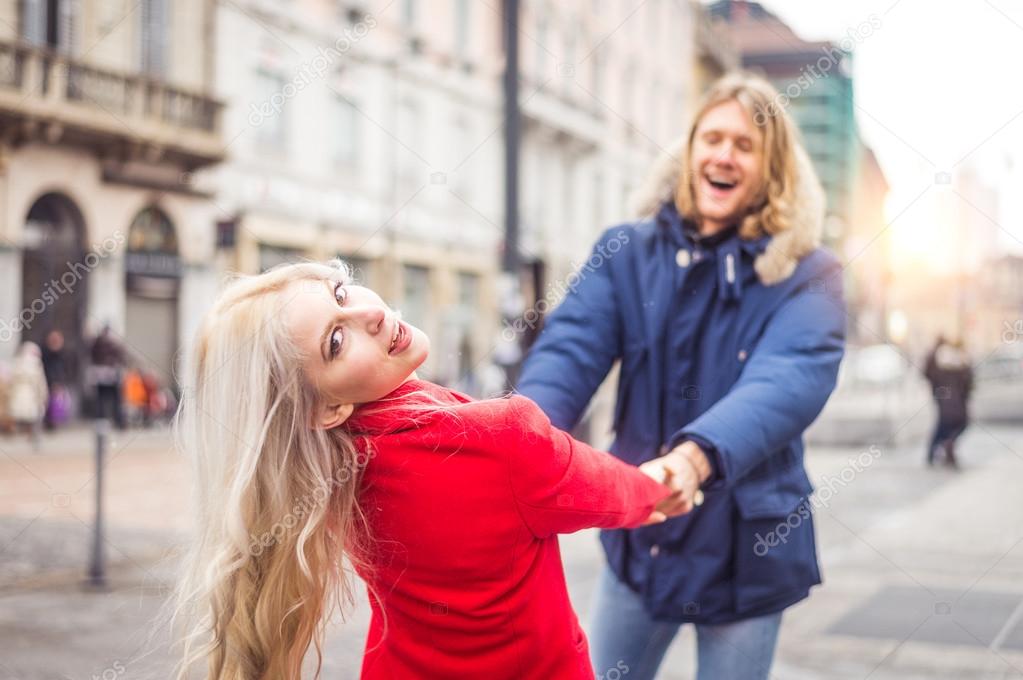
{"points": [[278, 520], [773, 206]]}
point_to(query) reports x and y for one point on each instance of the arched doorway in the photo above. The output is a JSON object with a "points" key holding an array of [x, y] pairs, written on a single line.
{"points": [[54, 278], [152, 270]]}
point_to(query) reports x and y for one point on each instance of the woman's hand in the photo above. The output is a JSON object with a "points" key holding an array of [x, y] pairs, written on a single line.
{"points": [[683, 470]]}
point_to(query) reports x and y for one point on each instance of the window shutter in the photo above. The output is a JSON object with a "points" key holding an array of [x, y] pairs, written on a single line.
{"points": [[153, 37], [33, 21], [68, 14]]}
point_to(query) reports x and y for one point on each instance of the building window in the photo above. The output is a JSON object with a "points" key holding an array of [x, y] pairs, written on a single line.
{"points": [[153, 37], [462, 9], [271, 132], [361, 269], [468, 295], [408, 14], [597, 74], [415, 298], [271, 256], [542, 35], [346, 126], [410, 129], [51, 23]]}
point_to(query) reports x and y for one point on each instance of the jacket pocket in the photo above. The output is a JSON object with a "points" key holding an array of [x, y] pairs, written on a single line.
{"points": [[775, 550]]}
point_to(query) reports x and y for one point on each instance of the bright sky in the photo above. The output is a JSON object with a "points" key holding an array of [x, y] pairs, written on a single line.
{"points": [[938, 90]]}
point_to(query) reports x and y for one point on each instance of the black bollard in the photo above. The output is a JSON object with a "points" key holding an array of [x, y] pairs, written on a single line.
{"points": [[97, 562]]}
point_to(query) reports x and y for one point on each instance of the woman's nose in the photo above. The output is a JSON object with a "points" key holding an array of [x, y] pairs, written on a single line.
{"points": [[371, 316]]}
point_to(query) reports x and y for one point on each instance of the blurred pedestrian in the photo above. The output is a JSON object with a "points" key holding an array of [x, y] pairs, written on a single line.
{"points": [[134, 397], [729, 324], [106, 374], [6, 424], [55, 365], [949, 372], [27, 392]]}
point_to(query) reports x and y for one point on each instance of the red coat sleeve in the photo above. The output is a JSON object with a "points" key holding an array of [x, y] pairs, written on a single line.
{"points": [[561, 485]]}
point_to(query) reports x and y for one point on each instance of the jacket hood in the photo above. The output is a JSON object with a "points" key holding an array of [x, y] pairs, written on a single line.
{"points": [[785, 249]]}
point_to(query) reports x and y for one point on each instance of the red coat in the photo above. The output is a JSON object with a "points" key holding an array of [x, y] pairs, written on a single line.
{"points": [[464, 508]]}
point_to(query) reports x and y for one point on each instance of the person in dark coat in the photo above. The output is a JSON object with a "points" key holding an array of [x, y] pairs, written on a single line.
{"points": [[108, 362], [951, 377], [55, 365], [729, 324]]}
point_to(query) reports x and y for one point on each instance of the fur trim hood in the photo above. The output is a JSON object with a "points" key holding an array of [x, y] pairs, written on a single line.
{"points": [[785, 249]]}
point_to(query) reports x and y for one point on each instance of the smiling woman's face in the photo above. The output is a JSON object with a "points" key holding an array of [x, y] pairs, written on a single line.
{"points": [[726, 161], [355, 349]]}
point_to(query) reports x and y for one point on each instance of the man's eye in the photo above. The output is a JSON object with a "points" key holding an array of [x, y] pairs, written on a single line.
{"points": [[340, 294], [335, 342]]}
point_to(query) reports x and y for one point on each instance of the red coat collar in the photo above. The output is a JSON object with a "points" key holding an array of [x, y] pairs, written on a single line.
{"points": [[389, 413]]}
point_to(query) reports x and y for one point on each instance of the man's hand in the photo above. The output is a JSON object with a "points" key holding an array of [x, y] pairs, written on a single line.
{"points": [[683, 470]]}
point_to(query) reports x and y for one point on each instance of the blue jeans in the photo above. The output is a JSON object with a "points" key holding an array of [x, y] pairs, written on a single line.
{"points": [[626, 644]]}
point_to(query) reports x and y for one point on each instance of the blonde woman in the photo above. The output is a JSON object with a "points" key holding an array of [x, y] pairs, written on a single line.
{"points": [[317, 450], [729, 324]]}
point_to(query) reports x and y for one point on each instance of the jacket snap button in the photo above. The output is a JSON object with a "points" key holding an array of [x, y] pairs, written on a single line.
{"points": [[682, 257], [655, 550], [742, 355]]}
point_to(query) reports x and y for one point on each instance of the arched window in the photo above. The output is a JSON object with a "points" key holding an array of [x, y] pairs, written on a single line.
{"points": [[152, 232]]}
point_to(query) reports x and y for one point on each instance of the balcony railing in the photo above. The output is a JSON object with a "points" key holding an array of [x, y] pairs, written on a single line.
{"points": [[38, 84]]}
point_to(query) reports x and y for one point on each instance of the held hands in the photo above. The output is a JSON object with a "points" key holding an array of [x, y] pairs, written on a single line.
{"points": [[683, 470]]}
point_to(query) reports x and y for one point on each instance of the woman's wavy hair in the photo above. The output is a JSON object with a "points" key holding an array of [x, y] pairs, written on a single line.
{"points": [[278, 525], [773, 208]]}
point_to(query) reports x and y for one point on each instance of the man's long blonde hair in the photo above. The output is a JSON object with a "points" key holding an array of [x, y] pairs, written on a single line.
{"points": [[277, 517], [771, 211]]}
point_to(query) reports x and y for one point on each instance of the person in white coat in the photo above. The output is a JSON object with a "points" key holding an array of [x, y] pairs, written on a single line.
{"points": [[27, 392]]}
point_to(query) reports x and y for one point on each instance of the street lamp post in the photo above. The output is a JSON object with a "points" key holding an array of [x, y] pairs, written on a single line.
{"points": [[508, 353]]}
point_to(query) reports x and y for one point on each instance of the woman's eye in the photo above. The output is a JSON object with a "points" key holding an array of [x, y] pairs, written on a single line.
{"points": [[340, 294], [335, 342]]}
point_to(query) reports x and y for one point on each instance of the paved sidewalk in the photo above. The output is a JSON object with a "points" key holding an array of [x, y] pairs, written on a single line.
{"points": [[923, 570]]}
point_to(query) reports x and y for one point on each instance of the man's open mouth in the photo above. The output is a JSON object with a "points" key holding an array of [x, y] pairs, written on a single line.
{"points": [[721, 183]]}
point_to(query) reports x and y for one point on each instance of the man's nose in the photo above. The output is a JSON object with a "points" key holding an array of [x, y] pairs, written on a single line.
{"points": [[727, 154]]}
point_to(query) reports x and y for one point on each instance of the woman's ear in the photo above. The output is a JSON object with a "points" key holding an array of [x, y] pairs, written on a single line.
{"points": [[332, 415]]}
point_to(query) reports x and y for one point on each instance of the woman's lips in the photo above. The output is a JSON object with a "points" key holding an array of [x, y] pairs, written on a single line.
{"points": [[404, 339]]}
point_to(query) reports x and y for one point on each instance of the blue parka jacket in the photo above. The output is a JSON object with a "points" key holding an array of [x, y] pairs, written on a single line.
{"points": [[710, 353]]}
